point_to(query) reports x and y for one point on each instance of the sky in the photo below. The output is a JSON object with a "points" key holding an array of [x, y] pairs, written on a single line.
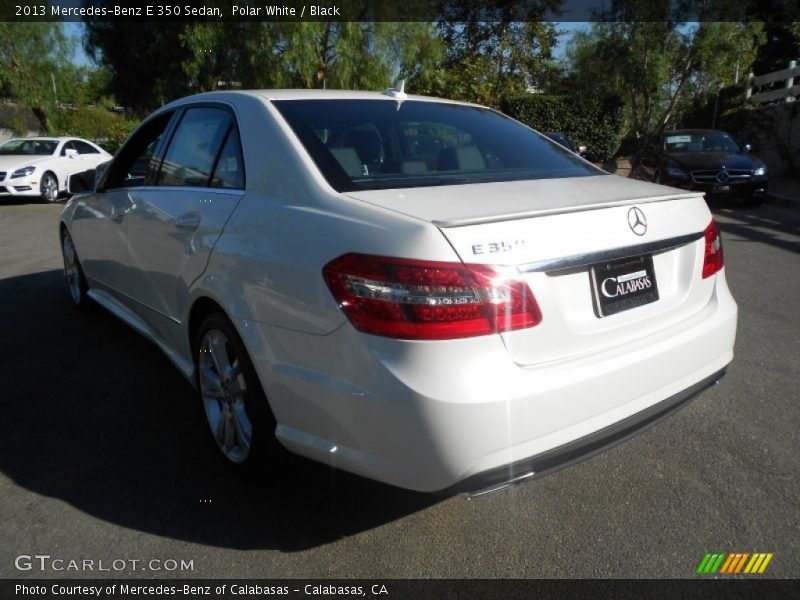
{"points": [[75, 31]]}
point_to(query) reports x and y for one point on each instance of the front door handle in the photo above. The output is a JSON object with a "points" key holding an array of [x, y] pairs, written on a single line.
{"points": [[189, 221]]}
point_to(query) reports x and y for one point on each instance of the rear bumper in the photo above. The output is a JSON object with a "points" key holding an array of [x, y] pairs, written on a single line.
{"points": [[583, 448], [430, 415]]}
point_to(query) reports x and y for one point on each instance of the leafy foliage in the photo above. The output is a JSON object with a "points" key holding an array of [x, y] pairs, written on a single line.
{"points": [[659, 67], [116, 134], [30, 54], [594, 122], [144, 62], [488, 57], [90, 123]]}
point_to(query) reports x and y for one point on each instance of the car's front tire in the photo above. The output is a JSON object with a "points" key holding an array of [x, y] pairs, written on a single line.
{"points": [[73, 273], [48, 187], [235, 406]]}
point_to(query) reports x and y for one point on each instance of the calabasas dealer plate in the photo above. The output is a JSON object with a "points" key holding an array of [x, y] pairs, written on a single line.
{"points": [[623, 284]]}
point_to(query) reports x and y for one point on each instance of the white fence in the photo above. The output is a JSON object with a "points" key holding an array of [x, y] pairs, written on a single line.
{"points": [[787, 93]]}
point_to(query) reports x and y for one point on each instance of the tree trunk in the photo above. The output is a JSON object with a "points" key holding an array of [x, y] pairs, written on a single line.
{"points": [[41, 116]]}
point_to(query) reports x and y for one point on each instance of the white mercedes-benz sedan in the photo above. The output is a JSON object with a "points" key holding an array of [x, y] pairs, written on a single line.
{"points": [[40, 167], [420, 291]]}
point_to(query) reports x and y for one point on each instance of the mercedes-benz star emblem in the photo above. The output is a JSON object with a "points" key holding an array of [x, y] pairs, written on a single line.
{"points": [[723, 176], [637, 221]]}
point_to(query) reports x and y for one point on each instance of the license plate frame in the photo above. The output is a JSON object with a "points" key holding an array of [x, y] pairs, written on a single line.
{"points": [[623, 284]]}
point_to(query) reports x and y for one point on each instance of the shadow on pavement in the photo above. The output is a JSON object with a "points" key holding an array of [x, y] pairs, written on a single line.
{"points": [[759, 225], [96, 416]]}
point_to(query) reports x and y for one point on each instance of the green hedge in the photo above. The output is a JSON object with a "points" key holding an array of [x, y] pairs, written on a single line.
{"points": [[593, 122], [104, 127], [117, 133]]}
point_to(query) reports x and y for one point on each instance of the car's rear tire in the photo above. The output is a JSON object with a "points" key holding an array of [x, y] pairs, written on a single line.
{"points": [[73, 273], [234, 404], [48, 187]]}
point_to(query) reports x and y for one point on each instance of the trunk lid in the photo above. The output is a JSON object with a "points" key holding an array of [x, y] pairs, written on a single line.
{"points": [[561, 234]]}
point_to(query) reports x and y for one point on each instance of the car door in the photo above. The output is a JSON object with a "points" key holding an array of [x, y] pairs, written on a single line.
{"points": [[101, 224], [175, 222]]}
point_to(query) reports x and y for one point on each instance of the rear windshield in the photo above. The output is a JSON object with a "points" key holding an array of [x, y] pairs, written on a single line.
{"points": [[384, 144]]}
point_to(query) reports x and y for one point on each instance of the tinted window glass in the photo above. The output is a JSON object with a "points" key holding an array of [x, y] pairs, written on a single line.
{"points": [[711, 141], [382, 144], [84, 148], [193, 150], [28, 147], [229, 172], [135, 159]]}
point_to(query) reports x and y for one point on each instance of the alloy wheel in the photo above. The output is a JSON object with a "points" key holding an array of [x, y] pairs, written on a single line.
{"points": [[223, 390], [49, 188], [72, 270]]}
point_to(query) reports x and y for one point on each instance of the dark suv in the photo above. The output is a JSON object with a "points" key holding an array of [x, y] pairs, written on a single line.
{"points": [[704, 160]]}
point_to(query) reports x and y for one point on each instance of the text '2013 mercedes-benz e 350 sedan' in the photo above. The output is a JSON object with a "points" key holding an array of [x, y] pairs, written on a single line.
{"points": [[420, 291]]}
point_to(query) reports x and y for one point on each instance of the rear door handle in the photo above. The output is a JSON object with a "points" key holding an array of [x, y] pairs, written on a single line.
{"points": [[189, 221]]}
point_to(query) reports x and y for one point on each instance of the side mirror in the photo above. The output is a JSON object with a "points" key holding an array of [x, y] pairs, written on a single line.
{"points": [[99, 171], [581, 150], [82, 182], [747, 148], [70, 153], [86, 181]]}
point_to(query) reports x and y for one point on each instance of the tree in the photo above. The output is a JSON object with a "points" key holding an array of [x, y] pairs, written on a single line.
{"points": [[347, 55], [144, 62], [31, 54], [499, 48], [660, 66]]}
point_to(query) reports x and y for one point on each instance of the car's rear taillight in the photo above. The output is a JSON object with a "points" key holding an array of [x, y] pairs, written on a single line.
{"points": [[425, 300], [712, 260]]}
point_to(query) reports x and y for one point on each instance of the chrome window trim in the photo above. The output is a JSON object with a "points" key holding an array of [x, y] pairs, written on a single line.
{"points": [[585, 260]]}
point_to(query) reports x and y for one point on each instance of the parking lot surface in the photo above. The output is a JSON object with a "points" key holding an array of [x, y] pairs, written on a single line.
{"points": [[104, 456]]}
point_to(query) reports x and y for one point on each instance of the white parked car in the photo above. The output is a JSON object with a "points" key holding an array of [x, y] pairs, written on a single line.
{"points": [[39, 167], [420, 291]]}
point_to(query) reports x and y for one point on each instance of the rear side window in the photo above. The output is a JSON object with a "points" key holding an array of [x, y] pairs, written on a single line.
{"points": [[84, 148], [384, 144], [193, 151]]}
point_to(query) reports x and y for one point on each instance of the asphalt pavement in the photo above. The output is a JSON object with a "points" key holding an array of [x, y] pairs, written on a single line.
{"points": [[104, 456]]}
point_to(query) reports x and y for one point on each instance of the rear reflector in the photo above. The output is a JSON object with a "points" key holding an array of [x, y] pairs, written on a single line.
{"points": [[424, 300], [712, 261]]}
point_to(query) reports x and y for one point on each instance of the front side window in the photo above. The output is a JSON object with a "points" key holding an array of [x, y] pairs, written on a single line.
{"points": [[192, 153], [28, 148], [135, 161], [384, 144]]}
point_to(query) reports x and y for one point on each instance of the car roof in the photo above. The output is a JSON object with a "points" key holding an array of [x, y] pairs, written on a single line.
{"points": [[289, 94]]}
